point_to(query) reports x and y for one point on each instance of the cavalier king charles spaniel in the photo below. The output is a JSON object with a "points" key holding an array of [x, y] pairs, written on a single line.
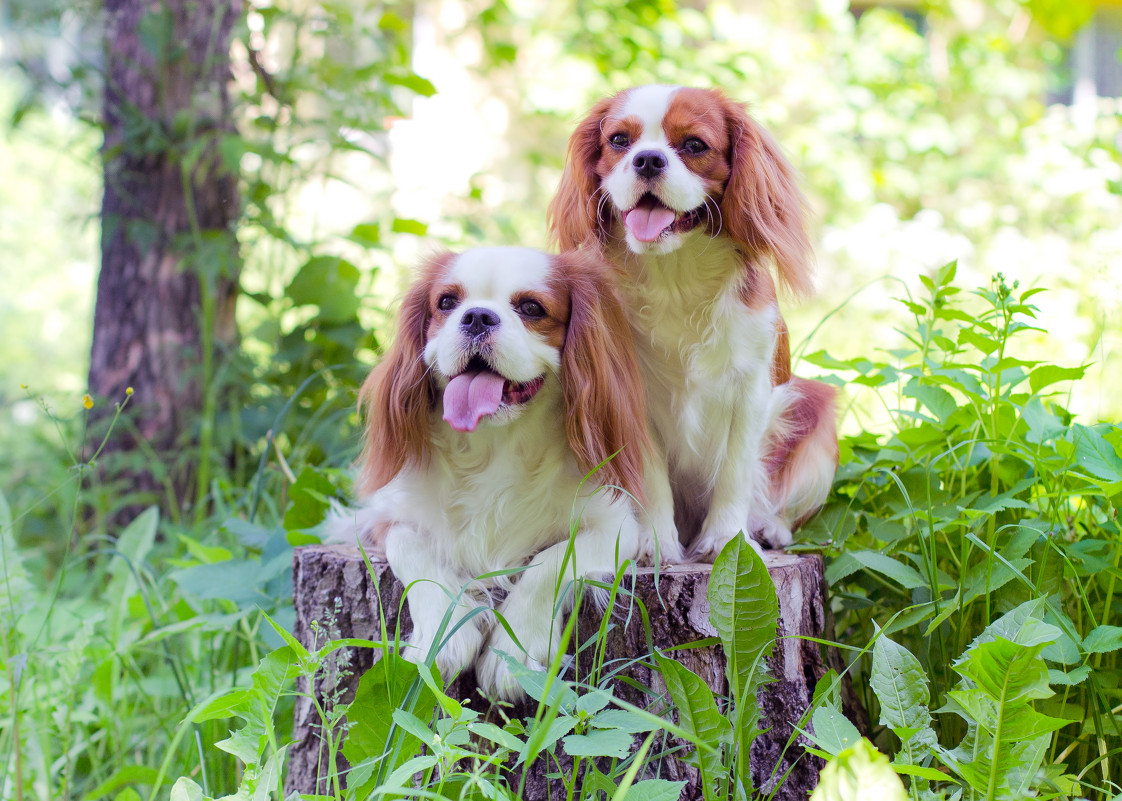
{"points": [[505, 429], [691, 200]]}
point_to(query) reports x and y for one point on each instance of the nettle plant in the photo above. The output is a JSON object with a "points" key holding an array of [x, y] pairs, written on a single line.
{"points": [[987, 500]]}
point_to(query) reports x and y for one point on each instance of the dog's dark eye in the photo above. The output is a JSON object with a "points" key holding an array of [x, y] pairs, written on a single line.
{"points": [[530, 308], [620, 140], [694, 146], [447, 302]]}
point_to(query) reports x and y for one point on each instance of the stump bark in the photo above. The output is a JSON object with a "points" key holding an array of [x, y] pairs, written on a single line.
{"points": [[335, 591]]}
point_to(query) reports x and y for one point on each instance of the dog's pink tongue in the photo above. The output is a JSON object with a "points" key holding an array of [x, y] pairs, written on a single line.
{"points": [[470, 396], [647, 224]]}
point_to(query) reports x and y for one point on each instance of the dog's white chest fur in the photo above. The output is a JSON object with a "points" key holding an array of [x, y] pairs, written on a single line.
{"points": [[494, 497], [699, 346]]}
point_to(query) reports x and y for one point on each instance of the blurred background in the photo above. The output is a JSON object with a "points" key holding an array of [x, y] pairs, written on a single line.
{"points": [[359, 135]]}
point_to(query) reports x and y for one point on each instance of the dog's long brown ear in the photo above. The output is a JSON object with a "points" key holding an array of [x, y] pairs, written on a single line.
{"points": [[399, 394], [573, 214], [762, 207], [605, 407]]}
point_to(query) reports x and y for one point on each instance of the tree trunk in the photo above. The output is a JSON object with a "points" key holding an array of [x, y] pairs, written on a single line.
{"points": [[169, 255], [334, 589]]}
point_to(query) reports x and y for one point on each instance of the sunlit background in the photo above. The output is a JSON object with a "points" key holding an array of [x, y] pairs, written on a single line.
{"points": [[924, 132]]}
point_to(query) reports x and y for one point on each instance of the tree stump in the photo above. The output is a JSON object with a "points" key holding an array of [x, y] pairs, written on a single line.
{"points": [[334, 589]]}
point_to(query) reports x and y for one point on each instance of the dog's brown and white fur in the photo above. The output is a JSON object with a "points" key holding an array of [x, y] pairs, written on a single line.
{"points": [[692, 201], [498, 482]]}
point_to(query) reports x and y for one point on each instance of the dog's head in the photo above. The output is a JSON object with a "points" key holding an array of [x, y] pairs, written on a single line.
{"points": [[655, 165], [482, 334]]}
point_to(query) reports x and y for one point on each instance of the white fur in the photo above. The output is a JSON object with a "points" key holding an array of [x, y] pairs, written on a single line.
{"points": [[678, 188], [506, 495], [705, 357], [706, 360]]}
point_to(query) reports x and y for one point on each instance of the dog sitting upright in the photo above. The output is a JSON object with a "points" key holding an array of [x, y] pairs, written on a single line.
{"points": [[511, 378], [691, 201]]}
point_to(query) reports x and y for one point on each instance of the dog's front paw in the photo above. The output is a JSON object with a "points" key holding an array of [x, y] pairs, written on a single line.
{"points": [[708, 545], [661, 547], [453, 655], [771, 531]]}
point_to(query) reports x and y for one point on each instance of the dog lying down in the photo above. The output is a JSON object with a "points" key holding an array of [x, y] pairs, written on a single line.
{"points": [[510, 379]]}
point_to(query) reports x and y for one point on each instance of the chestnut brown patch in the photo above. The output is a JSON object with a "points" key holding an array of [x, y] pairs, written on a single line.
{"points": [[610, 155], [698, 113], [550, 327]]}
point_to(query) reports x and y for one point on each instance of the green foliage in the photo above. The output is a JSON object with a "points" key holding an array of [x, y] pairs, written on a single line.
{"points": [[986, 498], [1001, 674], [985, 495]]}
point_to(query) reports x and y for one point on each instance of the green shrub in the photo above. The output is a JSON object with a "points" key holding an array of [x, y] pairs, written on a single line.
{"points": [[987, 497]]}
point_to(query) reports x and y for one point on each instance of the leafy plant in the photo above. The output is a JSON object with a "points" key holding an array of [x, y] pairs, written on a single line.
{"points": [[986, 496], [1001, 674]]}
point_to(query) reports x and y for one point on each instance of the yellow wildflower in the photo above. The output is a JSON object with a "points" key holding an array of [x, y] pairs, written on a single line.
{"points": [[87, 401], [128, 391]]}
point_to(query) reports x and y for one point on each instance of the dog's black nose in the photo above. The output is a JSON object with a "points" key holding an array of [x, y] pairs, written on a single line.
{"points": [[649, 163], [478, 321]]}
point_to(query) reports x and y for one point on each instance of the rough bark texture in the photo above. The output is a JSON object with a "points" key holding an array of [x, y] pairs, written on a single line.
{"points": [[168, 251], [334, 589]]}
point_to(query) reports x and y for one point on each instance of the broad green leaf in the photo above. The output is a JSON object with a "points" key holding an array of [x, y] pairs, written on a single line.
{"points": [[222, 705], [699, 717], [1008, 671], [329, 282], [623, 720], [1006, 721], [245, 744], [945, 274], [1022, 624], [1103, 639], [859, 774], [404, 773], [593, 701], [411, 81], [900, 685], [366, 234], [384, 688], [905, 575], [414, 725], [186, 790], [308, 500], [1095, 455], [935, 399], [1042, 424], [600, 743], [534, 682], [1049, 374], [1071, 677], [744, 611], [833, 732], [985, 344], [562, 725], [236, 580], [496, 735], [655, 790]]}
